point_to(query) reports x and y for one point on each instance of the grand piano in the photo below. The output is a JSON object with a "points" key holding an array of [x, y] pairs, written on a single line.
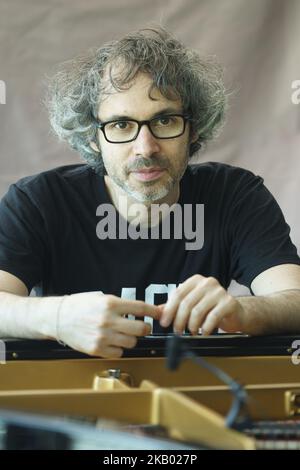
{"points": [[225, 392]]}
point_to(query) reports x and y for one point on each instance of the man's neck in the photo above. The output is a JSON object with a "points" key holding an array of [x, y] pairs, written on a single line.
{"points": [[149, 216]]}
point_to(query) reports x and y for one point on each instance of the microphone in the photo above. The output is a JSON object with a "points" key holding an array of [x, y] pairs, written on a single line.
{"points": [[175, 352]]}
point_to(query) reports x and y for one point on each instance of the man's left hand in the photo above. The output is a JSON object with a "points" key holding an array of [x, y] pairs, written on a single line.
{"points": [[201, 302]]}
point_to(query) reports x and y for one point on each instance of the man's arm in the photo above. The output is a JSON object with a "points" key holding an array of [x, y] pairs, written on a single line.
{"points": [[274, 313], [12, 284], [90, 322], [276, 307], [201, 302], [28, 317], [21, 316]]}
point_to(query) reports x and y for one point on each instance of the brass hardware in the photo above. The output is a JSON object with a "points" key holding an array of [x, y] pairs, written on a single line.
{"points": [[114, 377], [114, 373], [292, 402]]}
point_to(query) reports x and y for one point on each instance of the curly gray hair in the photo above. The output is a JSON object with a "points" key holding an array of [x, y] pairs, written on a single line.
{"points": [[76, 89]]}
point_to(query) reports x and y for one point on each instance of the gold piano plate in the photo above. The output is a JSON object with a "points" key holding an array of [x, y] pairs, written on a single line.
{"points": [[190, 403]]}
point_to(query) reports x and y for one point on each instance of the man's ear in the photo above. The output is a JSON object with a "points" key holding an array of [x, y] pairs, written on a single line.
{"points": [[194, 137], [94, 146]]}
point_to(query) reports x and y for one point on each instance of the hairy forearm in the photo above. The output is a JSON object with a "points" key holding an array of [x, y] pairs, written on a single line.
{"points": [[28, 317], [271, 314]]}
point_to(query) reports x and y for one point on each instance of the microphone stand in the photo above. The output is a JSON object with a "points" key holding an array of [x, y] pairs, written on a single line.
{"points": [[237, 416]]}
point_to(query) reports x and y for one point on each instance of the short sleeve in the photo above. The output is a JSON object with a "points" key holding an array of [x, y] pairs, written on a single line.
{"points": [[22, 237], [259, 237]]}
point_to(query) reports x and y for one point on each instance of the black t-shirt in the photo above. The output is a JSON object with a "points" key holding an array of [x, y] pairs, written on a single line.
{"points": [[48, 235]]}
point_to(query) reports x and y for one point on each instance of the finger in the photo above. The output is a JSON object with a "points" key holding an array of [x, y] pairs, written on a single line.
{"points": [[134, 307], [123, 341], [161, 306], [132, 327], [161, 309], [109, 352], [176, 297], [184, 309], [199, 312], [215, 317]]}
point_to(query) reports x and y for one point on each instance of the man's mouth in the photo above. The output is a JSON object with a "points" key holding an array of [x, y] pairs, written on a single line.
{"points": [[148, 174]]}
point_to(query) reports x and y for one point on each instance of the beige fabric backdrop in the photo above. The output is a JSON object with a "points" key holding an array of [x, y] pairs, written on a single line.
{"points": [[257, 41]]}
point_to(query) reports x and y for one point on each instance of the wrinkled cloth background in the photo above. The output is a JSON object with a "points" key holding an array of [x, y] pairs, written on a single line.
{"points": [[257, 41]]}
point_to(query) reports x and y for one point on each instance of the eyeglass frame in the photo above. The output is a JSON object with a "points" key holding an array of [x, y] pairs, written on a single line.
{"points": [[101, 126]]}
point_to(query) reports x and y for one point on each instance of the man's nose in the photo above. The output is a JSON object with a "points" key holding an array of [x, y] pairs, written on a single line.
{"points": [[145, 144]]}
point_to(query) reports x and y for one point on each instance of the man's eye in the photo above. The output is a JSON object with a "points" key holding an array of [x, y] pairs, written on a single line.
{"points": [[164, 121], [121, 125]]}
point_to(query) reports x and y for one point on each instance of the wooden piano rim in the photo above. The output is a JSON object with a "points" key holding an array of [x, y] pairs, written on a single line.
{"points": [[155, 346]]}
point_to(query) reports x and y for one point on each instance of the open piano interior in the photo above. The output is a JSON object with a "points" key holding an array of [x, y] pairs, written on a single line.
{"points": [[225, 392]]}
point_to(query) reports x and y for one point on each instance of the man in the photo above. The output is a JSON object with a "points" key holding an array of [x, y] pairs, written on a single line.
{"points": [[136, 110]]}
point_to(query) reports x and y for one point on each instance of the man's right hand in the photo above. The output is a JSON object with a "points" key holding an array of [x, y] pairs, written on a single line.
{"points": [[94, 323]]}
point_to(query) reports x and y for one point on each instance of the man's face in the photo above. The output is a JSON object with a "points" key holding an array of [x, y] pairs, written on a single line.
{"points": [[147, 168]]}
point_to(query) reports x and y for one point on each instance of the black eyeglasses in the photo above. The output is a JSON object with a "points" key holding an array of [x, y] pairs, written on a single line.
{"points": [[120, 131]]}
